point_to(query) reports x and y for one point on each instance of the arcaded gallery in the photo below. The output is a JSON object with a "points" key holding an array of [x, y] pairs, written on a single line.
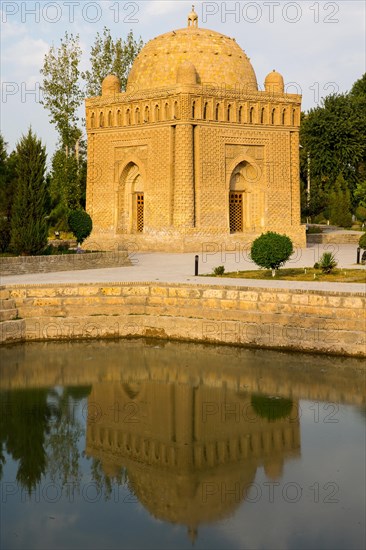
{"points": [[193, 151]]}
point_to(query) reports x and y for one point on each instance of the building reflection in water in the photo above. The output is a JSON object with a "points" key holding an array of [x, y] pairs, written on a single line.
{"points": [[191, 450]]}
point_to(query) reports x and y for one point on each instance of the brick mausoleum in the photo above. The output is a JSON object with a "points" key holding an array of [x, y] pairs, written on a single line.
{"points": [[193, 152]]}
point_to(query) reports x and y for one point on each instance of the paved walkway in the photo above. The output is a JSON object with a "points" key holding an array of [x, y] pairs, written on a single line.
{"points": [[179, 268]]}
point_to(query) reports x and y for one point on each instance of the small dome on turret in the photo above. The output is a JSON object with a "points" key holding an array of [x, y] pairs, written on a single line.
{"points": [[186, 73], [274, 83], [192, 18], [111, 85]]}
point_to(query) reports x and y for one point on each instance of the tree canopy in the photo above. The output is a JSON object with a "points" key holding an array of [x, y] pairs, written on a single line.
{"points": [[62, 93], [333, 142], [110, 56], [29, 228]]}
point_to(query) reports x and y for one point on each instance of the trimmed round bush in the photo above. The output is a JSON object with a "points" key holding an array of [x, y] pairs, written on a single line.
{"points": [[80, 224], [271, 250], [362, 241], [271, 408]]}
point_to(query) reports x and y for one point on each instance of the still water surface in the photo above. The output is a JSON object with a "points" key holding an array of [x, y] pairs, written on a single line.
{"points": [[140, 444]]}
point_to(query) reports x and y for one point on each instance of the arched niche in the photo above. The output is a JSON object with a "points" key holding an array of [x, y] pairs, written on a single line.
{"points": [[131, 200], [247, 198]]}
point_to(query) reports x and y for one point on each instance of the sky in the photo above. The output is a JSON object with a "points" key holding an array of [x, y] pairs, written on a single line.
{"points": [[318, 46]]}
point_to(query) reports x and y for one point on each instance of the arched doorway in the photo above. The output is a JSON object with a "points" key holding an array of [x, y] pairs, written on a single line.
{"points": [[246, 198], [131, 201]]}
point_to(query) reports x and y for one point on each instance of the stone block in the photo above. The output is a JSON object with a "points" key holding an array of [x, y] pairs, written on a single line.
{"points": [[111, 291]]}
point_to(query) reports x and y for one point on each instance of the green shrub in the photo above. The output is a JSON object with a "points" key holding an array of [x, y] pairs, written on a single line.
{"points": [[271, 250], [320, 218], [80, 224], [362, 241], [327, 262], [219, 270], [361, 213]]}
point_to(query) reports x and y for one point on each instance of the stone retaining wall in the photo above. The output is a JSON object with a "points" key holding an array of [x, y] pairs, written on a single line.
{"points": [[64, 262], [334, 237], [317, 321]]}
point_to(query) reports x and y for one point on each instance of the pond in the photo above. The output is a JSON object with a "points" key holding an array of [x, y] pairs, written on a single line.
{"points": [[157, 445]]}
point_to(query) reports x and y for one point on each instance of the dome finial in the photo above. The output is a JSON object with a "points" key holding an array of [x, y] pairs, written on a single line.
{"points": [[192, 18]]}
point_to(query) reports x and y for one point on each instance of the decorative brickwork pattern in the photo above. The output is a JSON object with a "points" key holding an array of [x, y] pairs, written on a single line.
{"points": [[191, 128]]}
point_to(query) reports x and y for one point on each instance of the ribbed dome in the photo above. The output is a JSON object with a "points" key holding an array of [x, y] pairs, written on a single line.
{"points": [[218, 60]]}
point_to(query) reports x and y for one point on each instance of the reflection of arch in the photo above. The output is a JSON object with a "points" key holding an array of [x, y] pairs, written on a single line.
{"points": [[167, 114], [110, 118], [137, 115], [128, 117], [119, 118], [132, 390], [246, 196], [157, 115], [131, 198], [101, 120]]}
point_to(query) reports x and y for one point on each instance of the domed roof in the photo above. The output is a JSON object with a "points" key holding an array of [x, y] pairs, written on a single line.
{"points": [[274, 82], [186, 73], [218, 60], [111, 85]]}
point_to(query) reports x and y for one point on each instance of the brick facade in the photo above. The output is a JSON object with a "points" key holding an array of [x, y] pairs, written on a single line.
{"points": [[191, 127]]}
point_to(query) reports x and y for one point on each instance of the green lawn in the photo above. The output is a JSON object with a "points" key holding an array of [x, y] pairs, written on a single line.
{"points": [[300, 274]]}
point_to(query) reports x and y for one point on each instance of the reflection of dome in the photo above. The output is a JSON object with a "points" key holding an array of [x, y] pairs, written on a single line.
{"points": [[195, 497], [274, 468], [274, 82], [217, 58], [111, 85]]}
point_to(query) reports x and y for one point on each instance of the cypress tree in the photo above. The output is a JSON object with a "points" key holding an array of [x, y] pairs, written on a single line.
{"points": [[29, 228]]}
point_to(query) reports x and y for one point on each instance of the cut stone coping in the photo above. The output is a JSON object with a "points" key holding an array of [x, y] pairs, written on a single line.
{"points": [[186, 284]]}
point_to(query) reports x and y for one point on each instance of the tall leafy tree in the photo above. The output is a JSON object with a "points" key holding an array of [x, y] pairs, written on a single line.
{"points": [[333, 137], [64, 187], [29, 226], [360, 193], [331, 134], [62, 93], [340, 203], [6, 194], [110, 56]]}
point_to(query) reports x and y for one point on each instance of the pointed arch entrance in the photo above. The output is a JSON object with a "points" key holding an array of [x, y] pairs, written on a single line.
{"points": [[246, 198], [131, 200]]}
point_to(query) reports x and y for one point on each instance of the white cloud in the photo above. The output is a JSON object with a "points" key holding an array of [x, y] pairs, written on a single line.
{"points": [[23, 57]]}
